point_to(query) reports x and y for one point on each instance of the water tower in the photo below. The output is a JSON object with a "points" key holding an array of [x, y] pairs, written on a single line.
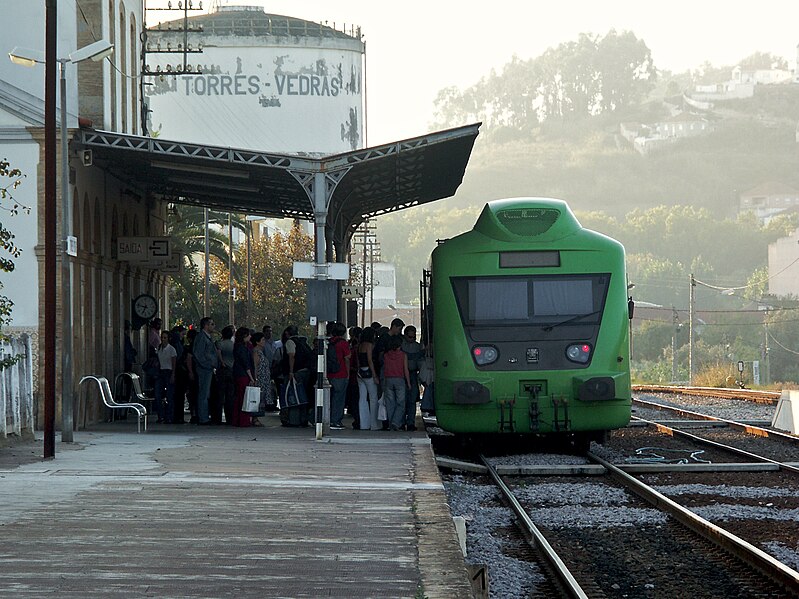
{"points": [[262, 81]]}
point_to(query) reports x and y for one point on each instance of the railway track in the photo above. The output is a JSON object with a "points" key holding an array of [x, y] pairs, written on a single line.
{"points": [[566, 551], [741, 426], [671, 430], [764, 397]]}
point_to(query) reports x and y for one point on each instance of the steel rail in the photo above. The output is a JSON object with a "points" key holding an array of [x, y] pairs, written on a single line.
{"points": [[765, 397], [747, 428], [743, 550], [565, 578], [742, 452]]}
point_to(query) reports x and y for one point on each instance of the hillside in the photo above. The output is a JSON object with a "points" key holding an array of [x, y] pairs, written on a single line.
{"points": [[587, 163]]}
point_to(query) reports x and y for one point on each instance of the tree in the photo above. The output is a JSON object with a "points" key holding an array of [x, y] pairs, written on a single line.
{"points": [[277, 297], [575, 80], [12, 178], [625, 69]]}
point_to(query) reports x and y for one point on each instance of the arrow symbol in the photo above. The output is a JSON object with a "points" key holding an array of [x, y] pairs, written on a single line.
{"points": [[159, 248]]}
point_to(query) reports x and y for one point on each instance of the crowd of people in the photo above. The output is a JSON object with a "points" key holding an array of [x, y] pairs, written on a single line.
{"points": [[374, 374]]}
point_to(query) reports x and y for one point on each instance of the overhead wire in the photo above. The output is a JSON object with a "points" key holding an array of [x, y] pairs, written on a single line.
{"points": [[749, 286], [771, 338]]}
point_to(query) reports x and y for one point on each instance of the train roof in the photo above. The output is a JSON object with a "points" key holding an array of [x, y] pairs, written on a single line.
{"points": [[515, 219]]}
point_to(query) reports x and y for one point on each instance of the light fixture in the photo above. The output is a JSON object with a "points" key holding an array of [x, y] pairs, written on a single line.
{"points": [[95, 51], [22, 56], [26, 57]]}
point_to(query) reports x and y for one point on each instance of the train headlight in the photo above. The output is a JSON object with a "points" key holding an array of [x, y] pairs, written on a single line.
{"points": [[485, 354], [579, 352]]}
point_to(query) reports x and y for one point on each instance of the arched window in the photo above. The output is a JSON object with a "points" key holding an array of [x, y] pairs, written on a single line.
{"points": [[134, 69], [125, 225], [136, 225], [124, 66], [113, 80]]}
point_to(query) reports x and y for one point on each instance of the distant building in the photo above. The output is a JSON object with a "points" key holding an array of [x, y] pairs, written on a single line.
{"points": [[783, 266], [796, 70], [385, 286], [685, 124], [648, 138], [760, 76], [769, 199], [741, 84]]}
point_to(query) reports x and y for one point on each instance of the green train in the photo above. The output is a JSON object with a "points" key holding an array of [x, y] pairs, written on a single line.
{"points": [[527, 320]]}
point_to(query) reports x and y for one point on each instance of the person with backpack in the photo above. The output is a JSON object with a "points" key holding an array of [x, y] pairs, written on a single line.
{"points": [[338, 373]]}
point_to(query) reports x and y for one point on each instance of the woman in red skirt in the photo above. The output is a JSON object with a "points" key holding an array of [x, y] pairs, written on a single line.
{"points": [[243, 371]]}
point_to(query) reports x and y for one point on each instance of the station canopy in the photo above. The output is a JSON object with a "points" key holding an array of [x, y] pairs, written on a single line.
{"points": [[357, 185]]}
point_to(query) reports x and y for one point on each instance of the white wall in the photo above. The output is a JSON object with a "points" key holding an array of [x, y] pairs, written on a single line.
{"points": [[385, 285], [22, 286], [783, 266], [26, 29], [275, 98]]}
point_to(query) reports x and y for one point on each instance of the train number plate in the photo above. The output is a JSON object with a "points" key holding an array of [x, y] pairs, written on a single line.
{"points": [[532, 355]]}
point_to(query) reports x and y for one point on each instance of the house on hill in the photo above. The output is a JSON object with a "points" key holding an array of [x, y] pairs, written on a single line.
{"points": [[647, 138], [684, 124], [769, 199], [760, 76]]}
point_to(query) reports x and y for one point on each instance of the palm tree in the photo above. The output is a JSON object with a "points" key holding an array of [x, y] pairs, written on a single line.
{"points": [[186, 226]]}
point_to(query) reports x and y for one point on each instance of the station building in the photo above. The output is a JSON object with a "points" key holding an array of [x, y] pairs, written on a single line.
{"points": [[103, 95], [121, 180]]}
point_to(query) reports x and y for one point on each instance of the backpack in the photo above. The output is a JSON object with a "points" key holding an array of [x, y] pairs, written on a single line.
{"points": [[303, 356], [333, 364]]}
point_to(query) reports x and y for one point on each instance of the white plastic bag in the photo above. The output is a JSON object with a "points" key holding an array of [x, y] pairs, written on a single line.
{"points": [[381, 410], [252, 400]]}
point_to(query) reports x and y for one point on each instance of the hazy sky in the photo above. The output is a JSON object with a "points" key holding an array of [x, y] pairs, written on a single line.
{"points": [[414, 48]]}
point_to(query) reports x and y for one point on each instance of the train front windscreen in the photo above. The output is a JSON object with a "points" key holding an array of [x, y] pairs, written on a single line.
{"points": [[544, 301]]}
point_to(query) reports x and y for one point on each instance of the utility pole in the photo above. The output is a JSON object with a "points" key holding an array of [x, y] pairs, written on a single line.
{"points": [[674, 321], [766, 360], [691, 300], [50, 219]]}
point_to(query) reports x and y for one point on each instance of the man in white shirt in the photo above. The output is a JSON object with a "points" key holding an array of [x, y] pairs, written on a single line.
{"points": [[165, 383]]}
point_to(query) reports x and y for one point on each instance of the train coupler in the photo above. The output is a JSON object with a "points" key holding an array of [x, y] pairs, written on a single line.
{"points": [[534, 413], [506, 425], [558, 424]]}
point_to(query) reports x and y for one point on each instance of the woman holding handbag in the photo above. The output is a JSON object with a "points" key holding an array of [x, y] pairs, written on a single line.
{"points": [[243, 369]]}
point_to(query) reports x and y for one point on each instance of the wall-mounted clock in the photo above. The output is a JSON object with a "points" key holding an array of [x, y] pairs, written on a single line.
{"points": [[145, 307]]}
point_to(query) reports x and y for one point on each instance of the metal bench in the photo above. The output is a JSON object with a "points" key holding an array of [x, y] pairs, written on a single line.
{"points": [[108, 400], [135, 387]]}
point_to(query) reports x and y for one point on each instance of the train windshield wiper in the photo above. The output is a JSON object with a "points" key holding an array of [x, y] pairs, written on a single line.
{"points": [[549, 327]]}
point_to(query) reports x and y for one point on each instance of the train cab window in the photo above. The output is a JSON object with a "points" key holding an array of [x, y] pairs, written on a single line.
{"points": [[530, 300]]}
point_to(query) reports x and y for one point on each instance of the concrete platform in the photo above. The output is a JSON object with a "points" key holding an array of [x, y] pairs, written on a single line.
{"points": [[187, 511]]}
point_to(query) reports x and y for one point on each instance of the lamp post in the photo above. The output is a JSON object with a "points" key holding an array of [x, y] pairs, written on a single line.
{"points": [[29, 58]]}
